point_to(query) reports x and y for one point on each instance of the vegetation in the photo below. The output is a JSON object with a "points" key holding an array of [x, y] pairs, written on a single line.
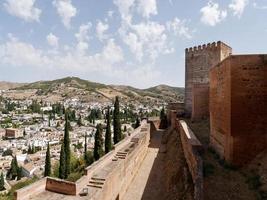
{"points": [[47, 171], [2, 182], [66, 143], [163, 119], [62, 163], [108, 144], [116, 121], [98, 147], [15, 170], [137, 123]]}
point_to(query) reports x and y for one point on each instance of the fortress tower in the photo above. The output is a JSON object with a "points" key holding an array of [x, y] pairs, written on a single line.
{"points": [[198, 61]]}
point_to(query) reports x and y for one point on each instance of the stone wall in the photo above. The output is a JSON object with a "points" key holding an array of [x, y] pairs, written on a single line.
{"points": [[198, 61], [192, 149], [35, 188], [200, 105], [121, 176], [238, 100], [60, 186]]}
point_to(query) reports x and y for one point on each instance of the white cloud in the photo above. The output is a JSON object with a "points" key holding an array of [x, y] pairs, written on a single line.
{"points": [[179, 28], [211, 14], [52, 40], [147, 8], [147, 39], [23, 9], [65, 10], [16, 53], [83, 38], [238, 6], [124, 7], [101, 28]]}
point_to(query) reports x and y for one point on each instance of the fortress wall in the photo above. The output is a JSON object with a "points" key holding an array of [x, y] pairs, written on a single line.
{"points": [[192, 151], [198, 61], [200, 105], [238, 96], [33, 189], [60, 186], [120, 178]]}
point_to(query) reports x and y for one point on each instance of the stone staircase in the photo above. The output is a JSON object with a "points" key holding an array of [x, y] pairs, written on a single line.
{"points": [[96, 182]]}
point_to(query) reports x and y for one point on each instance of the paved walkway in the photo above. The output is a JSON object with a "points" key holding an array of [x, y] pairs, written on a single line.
{"points": [[147, 182]]}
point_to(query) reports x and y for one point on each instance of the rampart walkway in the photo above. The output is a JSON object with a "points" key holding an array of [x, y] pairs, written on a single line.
{"points": [[147, 182]]}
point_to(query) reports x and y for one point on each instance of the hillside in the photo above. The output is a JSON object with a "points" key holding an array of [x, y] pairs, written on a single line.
{"points": [[71, 87]]}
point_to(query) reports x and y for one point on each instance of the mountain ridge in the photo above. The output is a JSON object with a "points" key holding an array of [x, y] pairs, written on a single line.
{"points": [[68, 87]]}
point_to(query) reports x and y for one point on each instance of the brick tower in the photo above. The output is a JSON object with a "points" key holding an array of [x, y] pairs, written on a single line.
{"points": [[198, 61]]}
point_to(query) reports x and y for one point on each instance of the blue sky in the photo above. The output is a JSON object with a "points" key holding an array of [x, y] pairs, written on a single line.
{"points": [[132, 42]]}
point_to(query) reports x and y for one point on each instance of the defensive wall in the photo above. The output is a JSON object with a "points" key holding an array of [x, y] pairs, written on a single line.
{"points": [[198, 61], [106, 179], [238, 114], [192, 149]]}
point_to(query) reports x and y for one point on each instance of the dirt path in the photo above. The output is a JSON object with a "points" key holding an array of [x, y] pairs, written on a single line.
{"points": [[147, 183]]}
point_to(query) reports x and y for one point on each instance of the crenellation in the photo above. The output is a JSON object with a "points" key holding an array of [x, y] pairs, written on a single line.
{"points": [[199, 59]]}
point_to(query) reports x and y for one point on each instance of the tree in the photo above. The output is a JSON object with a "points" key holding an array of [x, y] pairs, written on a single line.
{"points": [[116, 121], [49, 119], [163, 119], [79, 122], [13, 172], [88, 156], [47, 171], [29, 149], [62, 163], [66, 143], [98, 147], [108, 133], [2, 182], [137, 123]]}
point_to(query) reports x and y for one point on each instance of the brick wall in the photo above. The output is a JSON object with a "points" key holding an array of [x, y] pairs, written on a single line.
{"points": [[238, 114], [200, 105]]}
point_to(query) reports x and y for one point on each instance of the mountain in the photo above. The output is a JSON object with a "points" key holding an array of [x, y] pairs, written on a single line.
{"points": [[71, 87], [8, 85]]}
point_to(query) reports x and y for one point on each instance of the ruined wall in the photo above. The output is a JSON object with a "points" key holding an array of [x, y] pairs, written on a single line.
{"points": [[238, 97], [200, 105], [198, 61]]}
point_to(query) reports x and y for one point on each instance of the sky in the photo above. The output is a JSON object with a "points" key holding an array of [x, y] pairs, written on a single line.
{"points": [[131, 42]]}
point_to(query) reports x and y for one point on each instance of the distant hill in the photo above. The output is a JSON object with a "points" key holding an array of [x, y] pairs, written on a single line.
{"points": [[71, 87], [8, 85]]}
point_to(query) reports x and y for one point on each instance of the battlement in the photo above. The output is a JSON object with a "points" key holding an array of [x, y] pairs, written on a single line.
{"points": [[209, 46]]}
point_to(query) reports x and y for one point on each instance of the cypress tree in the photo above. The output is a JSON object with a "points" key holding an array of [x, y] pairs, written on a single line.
{"points": [[79, 122], [98, 147], [29, 150], [66, 143], [14, 168], [47, 171], [116, 121], [85, 147], [137, 123], [108, 133], [2, 182], [62, 163]]}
